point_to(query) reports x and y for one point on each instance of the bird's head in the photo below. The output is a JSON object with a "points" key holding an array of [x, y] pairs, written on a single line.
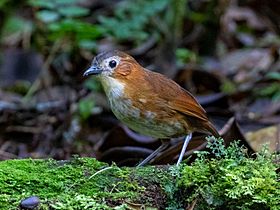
{"points": [[111, 64]]}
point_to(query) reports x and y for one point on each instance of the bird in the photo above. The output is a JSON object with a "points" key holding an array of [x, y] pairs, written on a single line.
{"points": [[149, 102]]}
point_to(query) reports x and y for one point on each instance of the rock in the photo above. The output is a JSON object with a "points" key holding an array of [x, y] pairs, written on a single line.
{"points": [[30, 203]]}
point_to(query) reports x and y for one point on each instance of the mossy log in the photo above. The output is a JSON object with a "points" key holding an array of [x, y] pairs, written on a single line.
{"points": [[84, 183]]}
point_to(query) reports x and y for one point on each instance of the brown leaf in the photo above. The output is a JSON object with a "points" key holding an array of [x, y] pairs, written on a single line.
{"points": [[269, 135]]}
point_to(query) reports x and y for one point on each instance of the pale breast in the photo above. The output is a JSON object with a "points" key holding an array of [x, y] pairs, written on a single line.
{"points": [[140, 119], [145, 122], [120, 105]]}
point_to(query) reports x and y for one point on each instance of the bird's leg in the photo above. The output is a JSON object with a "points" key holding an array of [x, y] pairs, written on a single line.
{"points": [[162, 147], [186, 142]]}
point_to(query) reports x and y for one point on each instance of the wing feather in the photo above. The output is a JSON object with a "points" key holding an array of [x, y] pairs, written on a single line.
{"points": [[176, 97]]}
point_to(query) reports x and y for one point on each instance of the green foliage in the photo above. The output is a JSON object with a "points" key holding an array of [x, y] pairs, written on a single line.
{"points": [[184, 55], [85, 108], [231, 180], [20, 87], [273, 89], [132, 19], [78, 201], [15, 24], [16, 27], [86, 105], [59, 7], [61, 20], [3, 3], [172, 190], [228, 87], [83, 34], [205, 15], [273, 75]]}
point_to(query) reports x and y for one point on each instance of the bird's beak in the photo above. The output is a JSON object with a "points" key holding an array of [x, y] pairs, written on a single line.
{"points": [[93, 70]]}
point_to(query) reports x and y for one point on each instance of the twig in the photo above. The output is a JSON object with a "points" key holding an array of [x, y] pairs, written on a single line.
{"points": [[36, 85], [98, 172], [24, 129], [7, 155]]}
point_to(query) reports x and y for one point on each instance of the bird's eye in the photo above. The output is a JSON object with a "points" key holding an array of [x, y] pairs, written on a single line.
{"points": [[112, 63]]}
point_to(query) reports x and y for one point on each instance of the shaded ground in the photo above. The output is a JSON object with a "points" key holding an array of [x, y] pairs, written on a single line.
{"points": [[227, 55]]}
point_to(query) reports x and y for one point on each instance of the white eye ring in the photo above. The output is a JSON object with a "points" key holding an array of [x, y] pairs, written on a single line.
{"points": [[112, 64]]}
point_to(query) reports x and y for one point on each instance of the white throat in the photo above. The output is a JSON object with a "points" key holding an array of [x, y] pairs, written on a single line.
{"points": [[112, 87]]}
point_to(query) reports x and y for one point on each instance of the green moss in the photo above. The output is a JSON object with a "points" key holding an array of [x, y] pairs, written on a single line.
{"points": [[232, 180], [47, 179], [222, 178], [80, 183]]}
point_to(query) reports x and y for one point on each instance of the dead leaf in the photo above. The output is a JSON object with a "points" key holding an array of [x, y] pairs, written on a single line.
{"points": [[234, 14], [269, 135], [245, 64]]}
